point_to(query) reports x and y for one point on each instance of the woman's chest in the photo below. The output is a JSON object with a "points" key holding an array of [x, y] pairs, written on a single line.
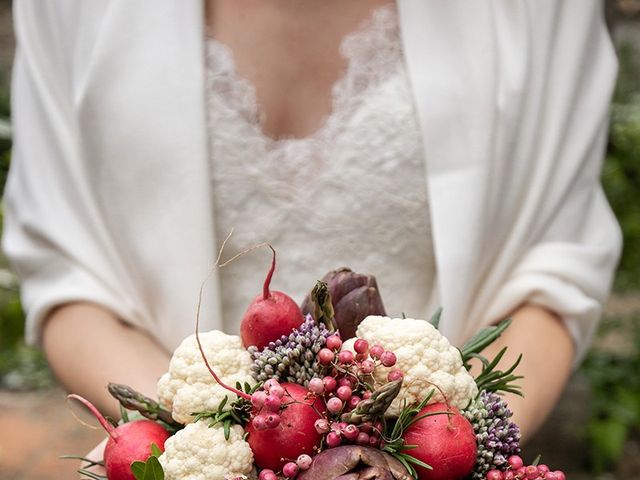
{"points": [[290, 52]]}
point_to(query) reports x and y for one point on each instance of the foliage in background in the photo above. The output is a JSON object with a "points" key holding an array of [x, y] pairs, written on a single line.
{"points": [[621, 174], [21, 367], [615, 386]]}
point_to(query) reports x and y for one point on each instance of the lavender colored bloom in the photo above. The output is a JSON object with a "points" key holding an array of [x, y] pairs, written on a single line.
{"points": [[498, 438], [292, 358]]}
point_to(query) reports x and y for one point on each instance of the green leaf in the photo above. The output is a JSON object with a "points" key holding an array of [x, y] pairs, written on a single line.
{"points": [[155, 450], [138, 469], [435, 319], [149, 470], [483, 339], [154, 470]]}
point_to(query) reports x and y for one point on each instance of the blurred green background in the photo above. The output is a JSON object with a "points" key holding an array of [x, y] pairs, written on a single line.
{"points": [[596, 427]]}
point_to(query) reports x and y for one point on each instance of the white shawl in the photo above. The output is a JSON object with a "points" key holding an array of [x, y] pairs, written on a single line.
{"points": [[108, 198]]}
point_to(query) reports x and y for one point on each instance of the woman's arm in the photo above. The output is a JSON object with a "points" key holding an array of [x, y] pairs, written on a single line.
{"points": [[88, 347], [547, 355]]}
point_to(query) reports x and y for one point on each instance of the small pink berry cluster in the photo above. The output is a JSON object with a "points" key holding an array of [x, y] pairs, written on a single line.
{"points": [[290, 469], [346, 386], [267, 403], [518, 471]]}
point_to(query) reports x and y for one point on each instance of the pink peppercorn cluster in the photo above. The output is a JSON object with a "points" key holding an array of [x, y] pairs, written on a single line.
{"points": [[289, 470], [518, 471], [346, 385], [267, 403]]}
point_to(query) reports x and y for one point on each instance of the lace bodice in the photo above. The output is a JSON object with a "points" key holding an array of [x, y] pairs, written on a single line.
{"points": [[353, 193]]}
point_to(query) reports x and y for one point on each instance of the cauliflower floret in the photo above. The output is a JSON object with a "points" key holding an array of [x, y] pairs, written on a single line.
{"points": [[424, 355], [188, 386], [200, 452]]}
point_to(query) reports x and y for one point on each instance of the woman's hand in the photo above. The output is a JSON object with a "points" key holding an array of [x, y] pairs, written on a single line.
{"points": [[95, 455]]}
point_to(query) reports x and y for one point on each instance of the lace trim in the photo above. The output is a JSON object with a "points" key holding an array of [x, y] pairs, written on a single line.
{"points": [[372, 53]]}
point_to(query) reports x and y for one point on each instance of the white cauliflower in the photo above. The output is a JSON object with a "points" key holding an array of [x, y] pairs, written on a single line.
{"points": [[188, 386], [200, 452], [424, 355]]}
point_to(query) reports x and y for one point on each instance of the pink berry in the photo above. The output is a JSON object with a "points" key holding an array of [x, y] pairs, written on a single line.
{"points": [[334, 405], [495, 475], [515, 462], [361, 356], [550, 476], [354, 401], [330, 383], [388, 359], [333, 439], [367, 395], [508, 475], [367, 367], [378, 427], [531, 472], [321, 425], [257, 398], [366, 427], [395, 375], [521, 472], [290, 470], [374, 441], [542, 469], [344, 393], [267, 475], [326, 356], [260, 422], [361, 346], [316, 385], [272, 420], [376, 351], [334, 342], [560, 475], [272, 403], [350, 432], [346, 357], [363, 439], [272, 382], [277, 391], [304, 461]]}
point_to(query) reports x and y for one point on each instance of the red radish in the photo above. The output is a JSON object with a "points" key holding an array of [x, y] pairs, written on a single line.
{"points": [[295, 435], [446, 442], [128, 443], [270, 315]]}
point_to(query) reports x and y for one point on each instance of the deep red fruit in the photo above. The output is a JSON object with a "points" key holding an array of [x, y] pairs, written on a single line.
{"points": [[270, 316], [294, 436], [445, 442], [128, 443]]}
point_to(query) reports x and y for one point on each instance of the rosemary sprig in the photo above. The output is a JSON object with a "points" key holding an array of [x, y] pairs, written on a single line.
{"points": [[239, 412], [394, 443], [482, 340], [494, 380]]}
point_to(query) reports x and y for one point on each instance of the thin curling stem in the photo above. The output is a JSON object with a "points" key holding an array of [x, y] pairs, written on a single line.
{"points": [[204, 357], [96, 413]]}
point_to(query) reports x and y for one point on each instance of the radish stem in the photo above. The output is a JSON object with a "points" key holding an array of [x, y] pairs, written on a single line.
{"points": [[96, 413], [267, 282], [204, 357]]}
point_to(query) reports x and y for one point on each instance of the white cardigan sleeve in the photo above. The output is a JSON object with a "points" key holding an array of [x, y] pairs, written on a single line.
{"points": [[569, 266], [53, 234]]}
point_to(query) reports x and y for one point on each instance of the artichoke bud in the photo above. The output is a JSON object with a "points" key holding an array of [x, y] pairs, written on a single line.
{"points": [[353, 297]]}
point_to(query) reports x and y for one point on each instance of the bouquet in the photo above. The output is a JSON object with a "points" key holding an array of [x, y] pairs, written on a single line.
{"points": [[332, 390]]}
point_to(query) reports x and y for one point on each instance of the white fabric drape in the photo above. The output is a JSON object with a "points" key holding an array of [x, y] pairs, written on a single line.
{"points": [[108, 196]]}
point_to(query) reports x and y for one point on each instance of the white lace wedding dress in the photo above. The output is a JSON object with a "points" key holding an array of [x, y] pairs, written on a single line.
{"points": [[351, 194]]}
